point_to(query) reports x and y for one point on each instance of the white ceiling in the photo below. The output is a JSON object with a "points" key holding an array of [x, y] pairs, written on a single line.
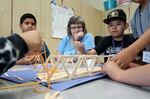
{"points": [[98, 4]]}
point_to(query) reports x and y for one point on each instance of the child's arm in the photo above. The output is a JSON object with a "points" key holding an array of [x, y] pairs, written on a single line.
{"points": [[136, 76], [124, 57]]}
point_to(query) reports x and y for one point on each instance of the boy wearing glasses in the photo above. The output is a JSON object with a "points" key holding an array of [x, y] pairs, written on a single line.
{"points": [[78, 41]]}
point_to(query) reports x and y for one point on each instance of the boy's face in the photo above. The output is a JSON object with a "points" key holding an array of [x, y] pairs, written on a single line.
{"points": [[116, 27], [28, 25]]}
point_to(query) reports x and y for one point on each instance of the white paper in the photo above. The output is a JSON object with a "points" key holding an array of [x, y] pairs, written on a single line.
{"points": [[146, 57], [60, 18]]}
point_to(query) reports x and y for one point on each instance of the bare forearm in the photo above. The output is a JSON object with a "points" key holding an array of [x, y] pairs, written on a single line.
{"points": [[136, 76], [142, 42]]}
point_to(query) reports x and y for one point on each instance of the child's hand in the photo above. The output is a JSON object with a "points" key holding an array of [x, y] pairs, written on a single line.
{"points": [[112, 69], [124, 58]]}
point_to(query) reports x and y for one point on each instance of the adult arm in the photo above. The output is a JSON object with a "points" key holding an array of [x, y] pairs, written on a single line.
{"points": [[137, 75], [124, 57]]}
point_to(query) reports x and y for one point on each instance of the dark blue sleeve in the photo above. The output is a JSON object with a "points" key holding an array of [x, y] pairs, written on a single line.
{"points": [[44, 47]]}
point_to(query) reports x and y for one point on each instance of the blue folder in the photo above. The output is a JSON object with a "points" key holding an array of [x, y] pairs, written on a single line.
{"points": [[30, 75], [20, 76], [61, 86]]}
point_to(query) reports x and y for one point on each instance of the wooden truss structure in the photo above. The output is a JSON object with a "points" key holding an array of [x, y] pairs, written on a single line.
{"points": [[62, 68], [73, 66]]}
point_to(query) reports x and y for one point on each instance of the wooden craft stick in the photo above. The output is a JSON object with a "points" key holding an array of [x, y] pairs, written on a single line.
{"points": [[50, 75], [60, 97], [66, 70], [47, 96], [108, 59], [79, 62], [19, 85], [38, 89], [62, 76], [55, 95]]}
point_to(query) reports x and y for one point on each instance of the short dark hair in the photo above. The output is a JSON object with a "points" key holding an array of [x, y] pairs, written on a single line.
{"points": [[27, 15], [76, 20]]}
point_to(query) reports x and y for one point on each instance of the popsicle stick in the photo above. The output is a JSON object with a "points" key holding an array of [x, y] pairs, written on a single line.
{"points": [[19, 85]]}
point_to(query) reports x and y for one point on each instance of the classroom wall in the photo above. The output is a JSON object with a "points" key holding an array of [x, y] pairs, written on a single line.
{"points": [[42, 11], [10, 13], [5, 17]]}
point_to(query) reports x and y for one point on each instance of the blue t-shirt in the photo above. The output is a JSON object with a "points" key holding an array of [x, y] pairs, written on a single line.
{"points": [[66, 46], [141, 21]]}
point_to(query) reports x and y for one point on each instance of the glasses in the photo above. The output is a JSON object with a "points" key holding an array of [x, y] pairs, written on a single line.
{"points": [[76, 27]]}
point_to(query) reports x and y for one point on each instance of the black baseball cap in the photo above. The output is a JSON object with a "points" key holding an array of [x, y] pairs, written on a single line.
{"points": [[115, 14]]}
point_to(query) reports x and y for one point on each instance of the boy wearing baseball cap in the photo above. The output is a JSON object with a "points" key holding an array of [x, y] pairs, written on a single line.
{"points": [[116, 21]]}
